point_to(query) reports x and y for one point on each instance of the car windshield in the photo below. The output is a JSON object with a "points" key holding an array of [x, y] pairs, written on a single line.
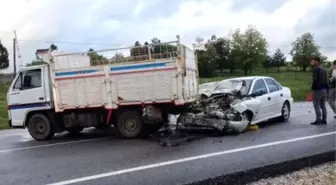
{"points": [[234, 84]]}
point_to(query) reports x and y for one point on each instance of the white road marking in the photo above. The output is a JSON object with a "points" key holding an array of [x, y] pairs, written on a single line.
{"points": [[166, 163], [54, 144], [10, 135]]}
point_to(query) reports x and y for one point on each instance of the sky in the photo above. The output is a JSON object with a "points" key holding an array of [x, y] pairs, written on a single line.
{"points": [[77, 25]]}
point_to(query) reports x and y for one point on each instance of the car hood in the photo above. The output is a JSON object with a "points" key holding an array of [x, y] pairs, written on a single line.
{"points": [[225, 87]]}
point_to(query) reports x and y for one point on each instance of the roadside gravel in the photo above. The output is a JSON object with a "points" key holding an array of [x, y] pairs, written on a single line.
{"points": [[319, 175]]}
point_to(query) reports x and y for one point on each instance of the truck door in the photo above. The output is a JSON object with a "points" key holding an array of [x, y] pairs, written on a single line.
{"points": [[25, 94]]}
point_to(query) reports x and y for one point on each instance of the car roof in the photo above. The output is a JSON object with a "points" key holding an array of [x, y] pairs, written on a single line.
{"points": [[248, 78]]}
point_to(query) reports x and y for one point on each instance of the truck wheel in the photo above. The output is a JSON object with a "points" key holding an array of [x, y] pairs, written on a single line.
{"points": [[40, 127], [74, 130], [129, 124]]}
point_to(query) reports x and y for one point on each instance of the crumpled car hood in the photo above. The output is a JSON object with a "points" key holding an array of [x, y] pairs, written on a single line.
{"points": [[225, 86]]}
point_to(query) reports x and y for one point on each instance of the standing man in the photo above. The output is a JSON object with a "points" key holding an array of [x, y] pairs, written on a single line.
{"points": [[320, 89], [332, 92]]}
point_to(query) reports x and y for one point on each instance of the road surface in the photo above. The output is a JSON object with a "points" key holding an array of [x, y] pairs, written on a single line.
{"points": [[97, 157]]}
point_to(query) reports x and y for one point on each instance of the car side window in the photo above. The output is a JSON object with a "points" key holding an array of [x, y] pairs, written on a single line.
{"points": [[259, 87], [29, 79], [272, 85]]}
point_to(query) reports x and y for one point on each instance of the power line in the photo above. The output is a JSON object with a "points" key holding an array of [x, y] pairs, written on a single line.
{"points": [[67, 42]]}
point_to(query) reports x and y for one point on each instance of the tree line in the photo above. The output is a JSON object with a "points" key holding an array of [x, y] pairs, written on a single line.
{"points": [[242, 50], [246, 50]]}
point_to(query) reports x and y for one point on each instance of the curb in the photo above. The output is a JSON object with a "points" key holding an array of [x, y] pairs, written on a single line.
{"points": [[252, 175]]}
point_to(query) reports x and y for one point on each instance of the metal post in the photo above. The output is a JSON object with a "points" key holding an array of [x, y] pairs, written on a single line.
{"points": [[149, 52], [14, 55], [178, 45]]}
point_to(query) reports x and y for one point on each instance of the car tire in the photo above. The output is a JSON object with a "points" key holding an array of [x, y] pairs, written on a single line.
{"points": [[129, 124], [40, 127], [285, 112], [246, 116]]}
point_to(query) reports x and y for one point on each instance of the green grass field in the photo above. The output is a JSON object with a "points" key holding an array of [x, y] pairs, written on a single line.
{"points": [[3, 107], [299, 85]]}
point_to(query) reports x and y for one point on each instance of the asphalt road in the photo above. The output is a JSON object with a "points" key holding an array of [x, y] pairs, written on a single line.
{"points": [[97, 157]]}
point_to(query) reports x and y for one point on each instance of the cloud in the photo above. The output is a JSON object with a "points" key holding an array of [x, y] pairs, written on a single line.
{"points": [[120, 23]]}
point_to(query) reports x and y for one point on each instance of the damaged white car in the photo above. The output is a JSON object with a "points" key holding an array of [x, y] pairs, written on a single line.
{"points": [[236, 103]]}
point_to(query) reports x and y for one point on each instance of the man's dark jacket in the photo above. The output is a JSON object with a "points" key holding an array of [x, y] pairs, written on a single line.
{"points": [[320, 79]]}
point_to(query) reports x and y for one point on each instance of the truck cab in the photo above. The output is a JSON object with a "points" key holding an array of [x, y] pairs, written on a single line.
{"points": [[29, 92]]}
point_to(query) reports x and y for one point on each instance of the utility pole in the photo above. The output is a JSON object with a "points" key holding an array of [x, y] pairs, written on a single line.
{"points": [[14, 55], [18, 53]]}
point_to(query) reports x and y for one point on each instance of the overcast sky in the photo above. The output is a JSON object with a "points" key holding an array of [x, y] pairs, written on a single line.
{"points": [[122, 22]]}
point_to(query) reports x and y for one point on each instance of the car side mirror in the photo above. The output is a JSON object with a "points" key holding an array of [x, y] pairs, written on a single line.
{"points": [[258, 93], [261, 92]]}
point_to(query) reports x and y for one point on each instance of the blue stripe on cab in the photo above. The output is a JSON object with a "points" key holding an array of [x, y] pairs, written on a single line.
{"points": [[142, 66], [69, 73], [27, 106]]}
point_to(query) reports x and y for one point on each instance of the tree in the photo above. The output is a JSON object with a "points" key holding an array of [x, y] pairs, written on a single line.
{"points": [[156, 40], [4, 61], [222, 48], [278, 59], [199, 43], [303, 49], [267, 63], [138, 51], [35, 63], [248, 48], [53, 47], [95, 58], [205, 56]]}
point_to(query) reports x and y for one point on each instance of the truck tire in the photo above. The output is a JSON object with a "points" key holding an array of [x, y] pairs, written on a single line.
{"points": [[129, 124], [74, 130], [40, 127]]}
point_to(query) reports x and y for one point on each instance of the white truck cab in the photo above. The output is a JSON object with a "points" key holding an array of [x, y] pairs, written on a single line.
{"points": [[30, 91], [134, 93]]}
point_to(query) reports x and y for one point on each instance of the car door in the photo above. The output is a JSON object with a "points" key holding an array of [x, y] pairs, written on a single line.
{"points": [[261, 92], [26, 93], [275, 94]]}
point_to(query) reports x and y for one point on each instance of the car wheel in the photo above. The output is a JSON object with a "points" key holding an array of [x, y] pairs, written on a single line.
{"points": [[40, 127], [243, 127], [285, 112]]}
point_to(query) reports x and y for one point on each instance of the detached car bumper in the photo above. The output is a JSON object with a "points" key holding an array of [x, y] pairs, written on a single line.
{"points": [[198, 120]]}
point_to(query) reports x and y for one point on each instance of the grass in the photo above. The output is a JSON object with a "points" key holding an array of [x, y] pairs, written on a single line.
{"points": [[299, 83], [3, 107]]}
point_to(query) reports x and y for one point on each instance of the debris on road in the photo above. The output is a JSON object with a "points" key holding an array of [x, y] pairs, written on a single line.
{"points": [[319, 175]]}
